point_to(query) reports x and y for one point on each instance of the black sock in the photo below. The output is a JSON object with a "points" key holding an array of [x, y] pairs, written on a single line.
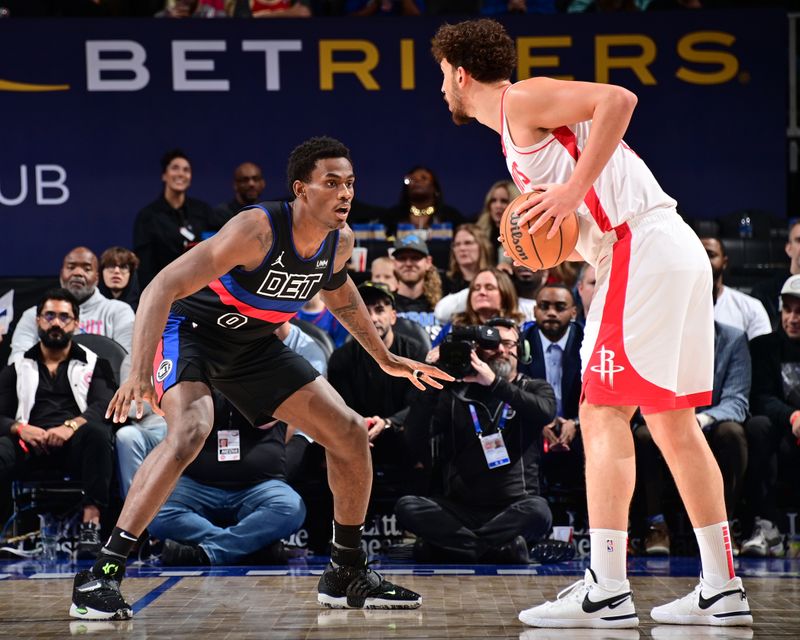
{"points": [[110, 561], [346, 547]]}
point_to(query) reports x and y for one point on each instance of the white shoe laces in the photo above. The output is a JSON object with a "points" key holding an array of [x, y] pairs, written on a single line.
{"points": [[575, 591]]}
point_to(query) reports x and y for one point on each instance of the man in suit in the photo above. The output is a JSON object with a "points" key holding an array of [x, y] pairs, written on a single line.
{"points": [[555, 341]]}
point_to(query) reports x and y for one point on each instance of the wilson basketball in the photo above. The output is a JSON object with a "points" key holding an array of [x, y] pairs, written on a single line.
{"points": [[536, 251]]}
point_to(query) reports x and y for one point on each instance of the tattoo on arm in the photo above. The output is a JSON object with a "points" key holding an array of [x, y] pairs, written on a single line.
{"points": [[346, 304]]}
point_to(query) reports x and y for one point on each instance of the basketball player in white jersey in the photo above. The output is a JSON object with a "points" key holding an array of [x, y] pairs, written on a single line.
{"points": [[649, 338]]}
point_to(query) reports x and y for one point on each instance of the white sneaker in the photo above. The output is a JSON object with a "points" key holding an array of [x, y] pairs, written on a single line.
{"points": [[574, 608], [723, 607], [767, 540]]}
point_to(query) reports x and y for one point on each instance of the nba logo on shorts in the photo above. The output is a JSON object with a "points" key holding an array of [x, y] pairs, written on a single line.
{"points": [[610, 546], [164, 370]]}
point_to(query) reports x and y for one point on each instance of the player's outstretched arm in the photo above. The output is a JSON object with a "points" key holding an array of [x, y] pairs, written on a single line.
{"points": [[245, 240], [346, 304]]}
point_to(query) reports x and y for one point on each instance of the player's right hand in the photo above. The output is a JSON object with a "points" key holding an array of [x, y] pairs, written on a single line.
{"points": [[136, 391]]}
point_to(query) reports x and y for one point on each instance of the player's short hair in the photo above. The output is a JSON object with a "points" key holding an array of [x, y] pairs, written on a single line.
{"points": [[305, 155], [170, 155], [482, 47]]}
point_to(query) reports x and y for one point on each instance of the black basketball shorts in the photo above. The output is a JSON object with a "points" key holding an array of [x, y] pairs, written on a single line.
{"points": [[256, 376]]}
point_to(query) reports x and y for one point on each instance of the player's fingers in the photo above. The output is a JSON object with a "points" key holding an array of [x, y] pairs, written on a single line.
{"points": [[556, 224], [415, 381], [430, 381], [112, 405], [122, 408], [152, 398], [435, 372], [539, 222]]}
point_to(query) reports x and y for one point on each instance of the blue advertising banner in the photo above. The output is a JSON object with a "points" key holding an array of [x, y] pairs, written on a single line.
{"points": [[89, 107]]}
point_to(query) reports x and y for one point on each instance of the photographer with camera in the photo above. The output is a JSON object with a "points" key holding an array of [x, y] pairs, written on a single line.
{"points": [[489, 428]]}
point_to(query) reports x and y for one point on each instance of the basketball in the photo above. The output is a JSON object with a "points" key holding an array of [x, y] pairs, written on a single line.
{"points": [[536, 251]]}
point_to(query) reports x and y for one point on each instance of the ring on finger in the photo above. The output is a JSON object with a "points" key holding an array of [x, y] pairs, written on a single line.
{"points": [[418, 373]]}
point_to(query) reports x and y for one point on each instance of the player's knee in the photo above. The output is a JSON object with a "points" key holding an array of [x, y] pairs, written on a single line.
{"points": [[186, 439], [355, 432]]}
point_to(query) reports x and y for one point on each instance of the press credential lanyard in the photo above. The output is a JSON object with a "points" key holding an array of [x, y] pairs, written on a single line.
{"points": [[493, 446]]}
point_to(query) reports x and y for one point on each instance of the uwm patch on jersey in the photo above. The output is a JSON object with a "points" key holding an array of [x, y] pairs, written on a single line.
{"points": [[288, 286]]}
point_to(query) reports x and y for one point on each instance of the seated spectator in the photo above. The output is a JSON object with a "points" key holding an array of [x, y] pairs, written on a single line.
{"points": [[527, 284], [774, 430], [587, 279], [232, 500], [419, 286], [489, 509], [360, 8], [499, 196], [555, 344], [490, 295], [248, 185], [732, 307], [315, 312], [421, 204], [383, 400], [468, 255], [768, 291], [722, 423], [173, 222], [280, 8], [382, 270], [52, 412], [193, 9], [118, 280], [79, 275]]}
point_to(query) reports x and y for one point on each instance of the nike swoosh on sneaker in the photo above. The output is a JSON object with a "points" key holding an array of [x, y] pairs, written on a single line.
{"points": [[612, 603], [705, 603], [92, 586], [390, 593]]}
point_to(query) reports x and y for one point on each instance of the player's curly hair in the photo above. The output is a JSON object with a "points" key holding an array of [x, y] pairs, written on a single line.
{"points": [[482, 47], [305, 155]]}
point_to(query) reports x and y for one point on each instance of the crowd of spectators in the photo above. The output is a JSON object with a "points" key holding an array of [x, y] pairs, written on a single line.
{"points": [[484, 498], [356, 8]]}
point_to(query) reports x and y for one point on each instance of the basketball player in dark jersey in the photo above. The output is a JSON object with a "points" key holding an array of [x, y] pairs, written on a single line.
{"points": [[207, 320]]}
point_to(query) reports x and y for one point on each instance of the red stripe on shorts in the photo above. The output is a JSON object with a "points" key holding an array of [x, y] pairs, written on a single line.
{"points": [[610, 378], [245, 309]]}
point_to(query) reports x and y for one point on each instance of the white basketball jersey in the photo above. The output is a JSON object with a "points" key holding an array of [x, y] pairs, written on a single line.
{"points": [[624, 189]]}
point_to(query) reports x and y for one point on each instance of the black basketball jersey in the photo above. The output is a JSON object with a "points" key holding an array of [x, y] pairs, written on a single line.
{"points": [[252, 304]]}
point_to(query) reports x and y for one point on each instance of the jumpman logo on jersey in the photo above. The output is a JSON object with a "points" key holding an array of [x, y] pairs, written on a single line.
{"points": [[606, 366], [279, 261]]}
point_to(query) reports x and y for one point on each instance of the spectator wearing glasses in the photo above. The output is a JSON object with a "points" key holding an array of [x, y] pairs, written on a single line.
{"points": [[119, 281], [52, 412], [490, 425], [79, 275], [555, 342]]}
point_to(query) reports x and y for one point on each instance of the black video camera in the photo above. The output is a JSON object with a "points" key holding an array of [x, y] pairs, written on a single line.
{"points": [[454, 352]]}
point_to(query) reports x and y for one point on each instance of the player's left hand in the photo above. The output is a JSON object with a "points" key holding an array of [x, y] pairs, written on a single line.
{"points": [[552, 201], [416, 372]]}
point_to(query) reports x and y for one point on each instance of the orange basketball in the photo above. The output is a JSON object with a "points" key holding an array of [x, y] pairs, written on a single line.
{"points": [[536, 251]]}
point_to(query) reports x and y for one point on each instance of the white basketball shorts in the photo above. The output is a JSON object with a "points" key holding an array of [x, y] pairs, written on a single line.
{"points": [[649, 338]]}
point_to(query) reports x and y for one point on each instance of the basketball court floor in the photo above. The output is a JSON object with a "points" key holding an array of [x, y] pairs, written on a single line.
{"points": [[459, 601]]}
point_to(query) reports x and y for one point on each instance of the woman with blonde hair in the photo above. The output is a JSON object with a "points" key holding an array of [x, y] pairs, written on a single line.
{"points": [[499, 196], [469, 254]]}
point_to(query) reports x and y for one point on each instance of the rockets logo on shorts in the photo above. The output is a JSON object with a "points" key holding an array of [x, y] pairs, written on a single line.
{"points": [[606, 368], [164, 369]]}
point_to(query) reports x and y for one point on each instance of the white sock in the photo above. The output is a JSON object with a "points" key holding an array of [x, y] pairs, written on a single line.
{"points": [[609, 551], [716, 555]]}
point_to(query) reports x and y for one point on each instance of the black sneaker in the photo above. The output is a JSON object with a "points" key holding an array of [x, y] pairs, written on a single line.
{"points": [[176, 554], [89, 543], [359, 587], [96, 598], [514, 551]]}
